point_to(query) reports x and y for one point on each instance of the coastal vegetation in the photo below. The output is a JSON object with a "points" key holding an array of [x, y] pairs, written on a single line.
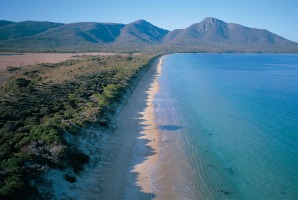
{"points": [[40, 103]]}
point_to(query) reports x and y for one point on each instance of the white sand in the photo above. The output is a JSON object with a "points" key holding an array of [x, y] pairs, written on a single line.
{"points": [[138, 149]]}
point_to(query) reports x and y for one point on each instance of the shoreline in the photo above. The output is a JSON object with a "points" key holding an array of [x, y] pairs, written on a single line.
{"points": [[136, 150], [145, 169], [126, 153], [79, 137]]}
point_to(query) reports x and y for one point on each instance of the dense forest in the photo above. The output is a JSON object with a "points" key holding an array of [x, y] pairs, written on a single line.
{"points": [[40, 103]]}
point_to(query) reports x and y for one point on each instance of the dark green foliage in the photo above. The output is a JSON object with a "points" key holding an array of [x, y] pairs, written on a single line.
{"points": [[16, 84], [39, 103], [47, 133], [11, 68], [12, 175], [11, 184]]}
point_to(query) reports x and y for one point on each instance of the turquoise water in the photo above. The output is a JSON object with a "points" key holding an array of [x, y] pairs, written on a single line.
{"points": [[235, 118]]}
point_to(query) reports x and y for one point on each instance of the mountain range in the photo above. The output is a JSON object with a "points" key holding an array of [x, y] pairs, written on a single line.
{"points": [[209, 35]]}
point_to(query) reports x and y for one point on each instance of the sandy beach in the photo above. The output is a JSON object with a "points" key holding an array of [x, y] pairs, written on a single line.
{"points": [[130, 150], [127, 153], [145, 169], [136, 150]]}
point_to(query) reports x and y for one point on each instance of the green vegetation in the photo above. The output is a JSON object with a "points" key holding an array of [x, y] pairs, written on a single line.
{"points": [[209, 35], [39, 103], [11, 30]]}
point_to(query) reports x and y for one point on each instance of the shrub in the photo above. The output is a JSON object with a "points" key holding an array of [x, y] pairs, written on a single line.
{"points": [[46, 133], [11, 68], [10, 185]]}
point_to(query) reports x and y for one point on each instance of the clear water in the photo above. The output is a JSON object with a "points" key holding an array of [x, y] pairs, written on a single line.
{"points": [[234, 120]]}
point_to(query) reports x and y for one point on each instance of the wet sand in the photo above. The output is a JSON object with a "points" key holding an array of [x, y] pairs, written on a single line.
{"points": [[150, 161], [145, 169]]}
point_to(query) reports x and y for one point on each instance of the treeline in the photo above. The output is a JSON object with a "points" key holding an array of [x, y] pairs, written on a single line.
{"points": [[40, 103]]}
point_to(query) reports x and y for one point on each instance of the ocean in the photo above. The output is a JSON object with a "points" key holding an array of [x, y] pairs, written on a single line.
{"points": [[229, 126]]}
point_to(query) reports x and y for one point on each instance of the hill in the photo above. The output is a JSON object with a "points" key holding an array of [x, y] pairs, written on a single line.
{"points": [[216, 36], [11, 30], [210, 35], [5, 22], [68, 37], [138, 35]]}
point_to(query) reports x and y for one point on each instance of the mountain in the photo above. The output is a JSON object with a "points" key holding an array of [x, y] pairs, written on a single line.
{"points": [[11, 30], [67, 37], [209, 35], [85, 32], [5, 22], [215, 35], [141, 32], [137, 36]]}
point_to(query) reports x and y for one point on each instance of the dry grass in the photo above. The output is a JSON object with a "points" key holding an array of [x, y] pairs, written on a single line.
{"points": [[35, 58]]}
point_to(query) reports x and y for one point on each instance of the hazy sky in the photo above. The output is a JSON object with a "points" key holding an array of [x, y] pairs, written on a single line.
{"points": [[278, 16]]}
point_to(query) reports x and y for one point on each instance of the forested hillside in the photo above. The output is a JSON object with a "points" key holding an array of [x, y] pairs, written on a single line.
{"points": [[210, 35]]}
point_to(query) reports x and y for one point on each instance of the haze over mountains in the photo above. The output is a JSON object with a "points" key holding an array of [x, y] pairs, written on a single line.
{"points": [[209, 35]]}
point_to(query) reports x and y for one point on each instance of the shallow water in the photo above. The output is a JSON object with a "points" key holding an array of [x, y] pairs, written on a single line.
{"points": [[229, 126]]}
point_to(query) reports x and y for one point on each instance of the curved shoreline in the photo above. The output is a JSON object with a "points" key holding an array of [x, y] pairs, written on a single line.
{"points": [[134, 143], [145, 169], [127, 152]]}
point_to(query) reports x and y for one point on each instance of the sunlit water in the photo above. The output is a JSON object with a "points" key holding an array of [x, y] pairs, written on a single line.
{"points": [[229, 125]]}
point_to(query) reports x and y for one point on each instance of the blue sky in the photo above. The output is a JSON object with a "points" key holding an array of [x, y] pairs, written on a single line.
{"points": [[278, 16]]}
